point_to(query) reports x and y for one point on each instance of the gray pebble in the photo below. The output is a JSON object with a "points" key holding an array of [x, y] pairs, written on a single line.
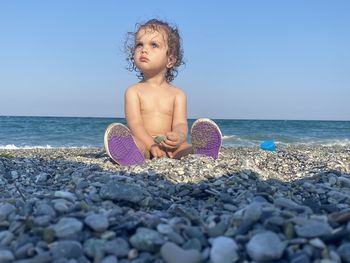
{"points": [[265, 246], [41, 178], [5, 210], [147, 239], [94, 247], [6, 237], [318, 243], [192, 243], [164, 229], [217, 229], [289, 204], [110, 259], [24, 250], [66, 195], [6, 256], [344, 182], [253, 212], [344, 252], [313, 229], [61, 206], [299, 258], [171, 253], [43, 208], [118, 247], [67, 249], [122, 192], [67, 226], [98, 222], [42, 221], [224, 250]]}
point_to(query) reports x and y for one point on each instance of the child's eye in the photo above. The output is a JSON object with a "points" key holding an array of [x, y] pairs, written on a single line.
{"points": [[138, 45], [154, 45]]}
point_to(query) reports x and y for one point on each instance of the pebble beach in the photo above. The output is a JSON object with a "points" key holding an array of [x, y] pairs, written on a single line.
{"points": [[75, 205]]}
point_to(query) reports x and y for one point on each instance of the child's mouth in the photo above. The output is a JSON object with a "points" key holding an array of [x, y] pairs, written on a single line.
{"points": [[143, 59]]}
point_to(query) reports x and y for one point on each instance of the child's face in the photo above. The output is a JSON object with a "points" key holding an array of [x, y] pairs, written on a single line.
{"points": [[150, 55]]}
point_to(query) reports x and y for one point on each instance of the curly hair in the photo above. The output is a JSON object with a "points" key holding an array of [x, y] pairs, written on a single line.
{"points": [[174, 47]]}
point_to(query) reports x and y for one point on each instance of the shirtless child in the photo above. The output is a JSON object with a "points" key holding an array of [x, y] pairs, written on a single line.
{"points": [[156, 110]]}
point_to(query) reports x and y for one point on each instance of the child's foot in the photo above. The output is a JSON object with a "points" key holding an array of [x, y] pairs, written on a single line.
{"points": [[206, 138], [121, 146]]}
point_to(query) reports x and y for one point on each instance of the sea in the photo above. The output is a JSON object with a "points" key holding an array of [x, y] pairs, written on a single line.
{"points": [[83, 132]]}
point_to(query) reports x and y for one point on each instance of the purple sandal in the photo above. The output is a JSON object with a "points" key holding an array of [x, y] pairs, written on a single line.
{"points": [[206, 138], [120, 145]]}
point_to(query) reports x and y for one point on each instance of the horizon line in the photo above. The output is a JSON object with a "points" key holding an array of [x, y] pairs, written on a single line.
{"points": [[189, 118]]}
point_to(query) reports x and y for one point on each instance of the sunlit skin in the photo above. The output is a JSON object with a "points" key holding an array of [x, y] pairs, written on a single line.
{"points": [[154, 106]]}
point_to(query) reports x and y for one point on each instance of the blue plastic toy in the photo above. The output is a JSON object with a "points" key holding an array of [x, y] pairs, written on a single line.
{"points": [[268, 146]]}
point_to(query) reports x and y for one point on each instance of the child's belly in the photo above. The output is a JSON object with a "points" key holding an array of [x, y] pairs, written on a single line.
{"points": [[157, 124]]}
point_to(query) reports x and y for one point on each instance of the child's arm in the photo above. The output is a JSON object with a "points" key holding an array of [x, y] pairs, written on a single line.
{"points": [[135, 123], [178, 134]]}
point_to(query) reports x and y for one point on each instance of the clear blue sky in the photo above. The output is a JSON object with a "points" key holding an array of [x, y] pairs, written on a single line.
{"points": [[257, 59]]}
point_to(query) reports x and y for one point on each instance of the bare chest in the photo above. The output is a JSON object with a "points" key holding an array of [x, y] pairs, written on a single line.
{"points": [[157, 103]]}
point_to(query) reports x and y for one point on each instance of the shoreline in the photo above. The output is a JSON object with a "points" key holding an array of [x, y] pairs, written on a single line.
{"points": [[296, 199]]}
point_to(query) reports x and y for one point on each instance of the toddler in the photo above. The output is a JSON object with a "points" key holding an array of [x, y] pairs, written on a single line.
{"points": [[156, 110]]}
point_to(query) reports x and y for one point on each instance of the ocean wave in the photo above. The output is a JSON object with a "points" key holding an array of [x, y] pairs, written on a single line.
{"points": [[14, 147], [334, 142], [236, 141], [227, 141], [227, 137]]}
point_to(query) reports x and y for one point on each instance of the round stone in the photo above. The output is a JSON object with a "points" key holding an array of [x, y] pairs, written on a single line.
{"points": [[110, 259], [66, 248], [164, 229], [121, 192], [5, 210], [171, 253], [67, 226], [344, 252], [94, 247], [224, 250], [6, 237], [265, 246], [118, 247], [97, 222], [147, 239], [313, 229], [6, 256], [66, 195]]}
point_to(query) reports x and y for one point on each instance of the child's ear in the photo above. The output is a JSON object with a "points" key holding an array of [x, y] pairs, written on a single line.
{"points": [[171, 61]]}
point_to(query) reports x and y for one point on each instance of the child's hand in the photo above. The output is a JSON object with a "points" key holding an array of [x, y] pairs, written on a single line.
{"points": [[156, 151], [173, 140]]}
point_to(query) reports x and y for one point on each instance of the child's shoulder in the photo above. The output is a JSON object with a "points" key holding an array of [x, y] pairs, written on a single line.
{"points": [[133, 89], [177, 90], [136, 86]]}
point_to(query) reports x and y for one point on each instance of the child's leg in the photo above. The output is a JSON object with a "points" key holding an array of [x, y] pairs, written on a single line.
{"points": [[142, 148], [206, 138], [183, 150], [121, 145]]}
